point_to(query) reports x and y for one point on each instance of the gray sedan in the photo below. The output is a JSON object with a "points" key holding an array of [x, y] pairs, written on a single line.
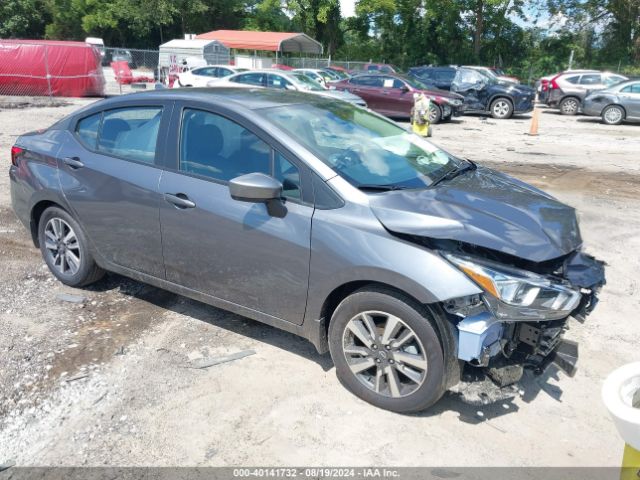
{"points": [[615, 104], [317, 217]]}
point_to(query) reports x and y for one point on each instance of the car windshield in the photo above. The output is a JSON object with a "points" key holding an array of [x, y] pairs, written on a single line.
{"points": [[307, 83], [365, 149], [415, 83]]}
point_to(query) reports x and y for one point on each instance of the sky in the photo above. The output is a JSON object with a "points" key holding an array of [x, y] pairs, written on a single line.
{"points": [[347, 8]]}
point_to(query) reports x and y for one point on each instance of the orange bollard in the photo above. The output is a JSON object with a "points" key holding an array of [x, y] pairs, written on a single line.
{"points": [[533, 130]]}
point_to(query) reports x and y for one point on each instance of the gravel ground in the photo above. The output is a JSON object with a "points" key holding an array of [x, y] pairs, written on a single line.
{"points": [[108, 375]]}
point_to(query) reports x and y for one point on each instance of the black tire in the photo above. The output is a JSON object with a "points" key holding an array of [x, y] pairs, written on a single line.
{"points": [[569, 106], [501, 108], [420, 320], [435, 113], [87, 270], [613, 115]]}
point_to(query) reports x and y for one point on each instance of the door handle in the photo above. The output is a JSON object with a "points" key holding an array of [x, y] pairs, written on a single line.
{"points": [[180, 200], [73, 162]]}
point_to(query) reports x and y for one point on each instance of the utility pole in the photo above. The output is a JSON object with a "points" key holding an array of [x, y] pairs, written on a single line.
{"points": [[571, 60]]}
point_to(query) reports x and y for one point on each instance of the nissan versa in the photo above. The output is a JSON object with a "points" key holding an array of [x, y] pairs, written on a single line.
{"points": [[318, 217]]}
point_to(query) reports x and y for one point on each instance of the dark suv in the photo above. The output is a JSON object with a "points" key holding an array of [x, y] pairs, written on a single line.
{"points": [[482, 93]]}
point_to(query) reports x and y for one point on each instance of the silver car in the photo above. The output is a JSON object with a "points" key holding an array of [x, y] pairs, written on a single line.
{"points": [[615, 104], [293, 81], [326, 220], [568, 89]]}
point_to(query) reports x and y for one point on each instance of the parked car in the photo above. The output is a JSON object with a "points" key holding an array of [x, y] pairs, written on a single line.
{"points": [[118, 55], [615, 104], [294, 81], [380, 68], [335, 75], [199, 77], [340, 71], [317, 217], [316, 74], [568, 89], [482, 93], [495, 73], [392, 95], [279, 66]]}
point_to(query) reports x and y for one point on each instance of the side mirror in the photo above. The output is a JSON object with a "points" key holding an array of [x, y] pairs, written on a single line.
{"points": [[255, 188], [404, 89]]}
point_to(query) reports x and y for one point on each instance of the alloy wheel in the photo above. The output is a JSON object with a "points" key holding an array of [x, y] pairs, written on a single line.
{"points": [[570, 106], [384, 354], [501, 108], [613, 115], [62, 246]]}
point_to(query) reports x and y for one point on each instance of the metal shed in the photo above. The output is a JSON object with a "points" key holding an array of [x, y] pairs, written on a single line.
{"points": [[179, 52]]}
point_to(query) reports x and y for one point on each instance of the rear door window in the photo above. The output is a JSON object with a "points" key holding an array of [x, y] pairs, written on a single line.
{"points": [[130, 133], [591, 79], [634, 88], [278, 81]]}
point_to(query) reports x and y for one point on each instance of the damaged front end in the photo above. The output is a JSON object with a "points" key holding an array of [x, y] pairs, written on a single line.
{"points": [[520, 318]]}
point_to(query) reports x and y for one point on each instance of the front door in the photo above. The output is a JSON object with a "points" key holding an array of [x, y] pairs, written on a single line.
{"points": [[109, 176], [630, 96], [233, 250]]}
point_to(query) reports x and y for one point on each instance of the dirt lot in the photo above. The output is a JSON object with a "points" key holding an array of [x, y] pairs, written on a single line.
{"points": [[105, 375]]}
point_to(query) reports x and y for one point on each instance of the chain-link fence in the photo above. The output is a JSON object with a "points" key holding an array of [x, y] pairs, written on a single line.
{"points": [[73, 69], [77, 69]]}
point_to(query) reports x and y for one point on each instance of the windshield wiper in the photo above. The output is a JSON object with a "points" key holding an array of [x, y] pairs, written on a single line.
{"points": [[381, 188], [454, 172]]}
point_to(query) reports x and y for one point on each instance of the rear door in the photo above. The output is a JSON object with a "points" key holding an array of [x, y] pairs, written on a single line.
{"points": [[109, 173], [234, 251]]}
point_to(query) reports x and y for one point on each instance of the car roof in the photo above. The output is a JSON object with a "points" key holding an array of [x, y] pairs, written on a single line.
{"points": [[248, 98]]}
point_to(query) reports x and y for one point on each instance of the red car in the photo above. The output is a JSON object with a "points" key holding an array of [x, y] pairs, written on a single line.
{"points": [[392, 95]]}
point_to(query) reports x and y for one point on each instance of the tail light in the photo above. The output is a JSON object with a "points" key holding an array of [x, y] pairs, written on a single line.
{"points": [[544, 84], [554, 84], [15, 154]]}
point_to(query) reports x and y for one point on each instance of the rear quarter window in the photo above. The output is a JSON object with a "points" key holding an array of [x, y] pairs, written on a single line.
{"points": [[87, 130]]}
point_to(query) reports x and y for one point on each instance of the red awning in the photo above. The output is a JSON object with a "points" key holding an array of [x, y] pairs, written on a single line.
{"points": [[269, 41]]}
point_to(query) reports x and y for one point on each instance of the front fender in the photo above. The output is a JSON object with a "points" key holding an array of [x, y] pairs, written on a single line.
{"points": [[350, 245]]}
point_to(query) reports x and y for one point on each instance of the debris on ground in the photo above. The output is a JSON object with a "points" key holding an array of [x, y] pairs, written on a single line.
{"points": [[210, 362]]}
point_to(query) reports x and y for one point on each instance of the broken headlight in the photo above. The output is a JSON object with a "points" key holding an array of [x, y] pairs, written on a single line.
{"points": [[514, 294]]}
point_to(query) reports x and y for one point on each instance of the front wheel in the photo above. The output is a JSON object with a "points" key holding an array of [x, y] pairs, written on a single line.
{"points": [[501, 108], [65, 249], [435, 114], [613, 115], [386, 350]]}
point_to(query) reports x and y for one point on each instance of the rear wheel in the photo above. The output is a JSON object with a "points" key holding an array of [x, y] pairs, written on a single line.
{"points": [[501, 108], [613, 115], [569, 106], [65, 249], [386, 350]]}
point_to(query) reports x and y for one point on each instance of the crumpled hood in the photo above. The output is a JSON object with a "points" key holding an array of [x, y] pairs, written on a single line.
{"points": [[484, 208]]}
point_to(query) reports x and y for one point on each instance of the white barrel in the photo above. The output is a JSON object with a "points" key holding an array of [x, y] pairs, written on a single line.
{"points": [[621, 396]]}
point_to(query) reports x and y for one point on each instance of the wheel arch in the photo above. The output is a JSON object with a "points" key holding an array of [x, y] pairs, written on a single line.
{"points": [[444, 327], [497, 96], [615, 104], [39, 205]]}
